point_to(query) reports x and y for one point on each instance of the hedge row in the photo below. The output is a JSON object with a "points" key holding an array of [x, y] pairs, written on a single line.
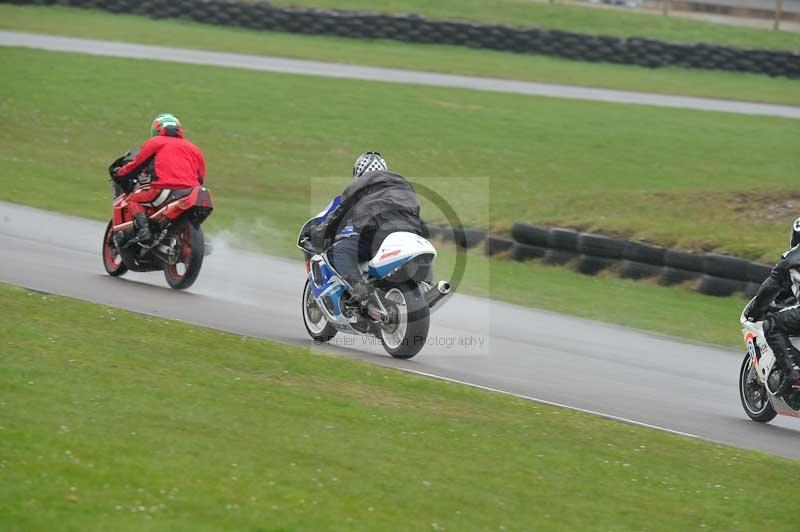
{"points": [[712, 273], [417, 29]]}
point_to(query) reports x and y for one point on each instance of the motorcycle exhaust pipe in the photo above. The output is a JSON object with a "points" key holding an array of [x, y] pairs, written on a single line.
{"points": [[436, 293]]}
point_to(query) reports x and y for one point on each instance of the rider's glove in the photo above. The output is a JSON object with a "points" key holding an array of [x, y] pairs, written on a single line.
{"points": [[317, 236], [750, 315]]}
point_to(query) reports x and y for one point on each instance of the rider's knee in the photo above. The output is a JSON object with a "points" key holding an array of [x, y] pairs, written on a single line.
{"points": [[775, 331]]}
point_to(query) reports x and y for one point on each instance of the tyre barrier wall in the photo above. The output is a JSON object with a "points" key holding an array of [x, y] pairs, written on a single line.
{"points": [[261, 15], [710, 273]]}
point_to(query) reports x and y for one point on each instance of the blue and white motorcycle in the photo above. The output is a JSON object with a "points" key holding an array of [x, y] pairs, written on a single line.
{"points": [[397, 311]]}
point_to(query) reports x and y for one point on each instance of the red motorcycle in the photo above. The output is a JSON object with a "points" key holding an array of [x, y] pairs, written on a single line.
{"points": [[175, 216]]}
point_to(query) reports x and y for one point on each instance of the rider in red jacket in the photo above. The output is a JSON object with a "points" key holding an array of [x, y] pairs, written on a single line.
{"points": [[177, 163]]}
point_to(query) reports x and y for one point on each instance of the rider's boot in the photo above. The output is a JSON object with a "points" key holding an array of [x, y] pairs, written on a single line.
{"points": [[359, 290], [360, 293], [123, 239], [794, 373], [142, 225], [120, 238], [791, 374], [784, 351], [794, 378]]}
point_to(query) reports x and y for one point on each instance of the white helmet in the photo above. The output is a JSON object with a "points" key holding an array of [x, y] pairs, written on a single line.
{"points": [[370, 161]]}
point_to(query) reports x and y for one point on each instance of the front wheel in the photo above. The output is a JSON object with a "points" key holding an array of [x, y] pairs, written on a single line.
{"points": [[316, 324], [191, 250], [754, 396], [111, 258], [406, 332]]}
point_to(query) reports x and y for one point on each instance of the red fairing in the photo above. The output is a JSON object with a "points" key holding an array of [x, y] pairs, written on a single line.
{"points": [[118, 211], [179, 163], [176, 208]]}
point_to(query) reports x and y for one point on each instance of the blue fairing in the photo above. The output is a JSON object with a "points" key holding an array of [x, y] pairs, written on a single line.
{"points": [[324, 288], [335, 297], [319, 285]]}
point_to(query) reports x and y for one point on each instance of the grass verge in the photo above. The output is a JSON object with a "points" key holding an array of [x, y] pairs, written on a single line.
{"points": [[447, 59], [202, 430], [571, 17]]}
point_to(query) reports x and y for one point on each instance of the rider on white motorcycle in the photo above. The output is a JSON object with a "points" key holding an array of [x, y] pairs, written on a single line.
{"points": [[779, 326], [375, 204]]}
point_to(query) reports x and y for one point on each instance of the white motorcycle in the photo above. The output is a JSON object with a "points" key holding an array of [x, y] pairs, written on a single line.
{"points": [[760, 376], [397, 311]]}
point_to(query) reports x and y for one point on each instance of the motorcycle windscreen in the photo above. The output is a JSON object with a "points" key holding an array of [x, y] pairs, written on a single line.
{"points": [[318, 218], [321, 215]]}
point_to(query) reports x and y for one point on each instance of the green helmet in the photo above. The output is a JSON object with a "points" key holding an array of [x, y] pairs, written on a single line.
{"points": [[166, 124]]}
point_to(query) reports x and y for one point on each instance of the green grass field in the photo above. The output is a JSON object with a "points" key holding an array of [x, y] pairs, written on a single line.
{"points": [[448, 59], [584, 19], [629, 170], [202, 430]]}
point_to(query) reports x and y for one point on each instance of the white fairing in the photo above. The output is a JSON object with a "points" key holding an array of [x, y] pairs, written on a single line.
{"points": [[753, 333], [399, 248], [767, 360]]}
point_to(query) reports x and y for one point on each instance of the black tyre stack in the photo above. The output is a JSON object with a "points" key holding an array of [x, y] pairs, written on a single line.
{"points": [[562, 246], [680, 267], [495, 245], [724, 275], [642, 260], [649, 53], [598, 252], [530, 241], [590, 253]]}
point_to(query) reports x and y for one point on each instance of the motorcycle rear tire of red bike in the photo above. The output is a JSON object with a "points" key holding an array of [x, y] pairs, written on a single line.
{"points": [[112, 268], [193, 237]]}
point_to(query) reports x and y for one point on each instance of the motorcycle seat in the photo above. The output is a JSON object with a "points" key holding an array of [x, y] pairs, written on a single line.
{"points": [[168, 196], [179, 193]]}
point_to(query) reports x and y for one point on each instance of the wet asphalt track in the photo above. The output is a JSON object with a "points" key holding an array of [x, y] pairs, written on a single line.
{"points": [[618, 372], [387, 75]]}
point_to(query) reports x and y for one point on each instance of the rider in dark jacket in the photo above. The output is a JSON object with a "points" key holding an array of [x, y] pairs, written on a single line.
{"points": [[779, 326], [374, 205]]}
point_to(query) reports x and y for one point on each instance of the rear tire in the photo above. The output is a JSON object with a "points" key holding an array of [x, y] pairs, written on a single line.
{"points": [[112, 261], [183, 274], [317, 326], [410, 333], [754, 396]]}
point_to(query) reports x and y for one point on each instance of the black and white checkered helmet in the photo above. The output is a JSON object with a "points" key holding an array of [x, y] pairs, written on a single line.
{"points": [[370, 161], [794, 236]]}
